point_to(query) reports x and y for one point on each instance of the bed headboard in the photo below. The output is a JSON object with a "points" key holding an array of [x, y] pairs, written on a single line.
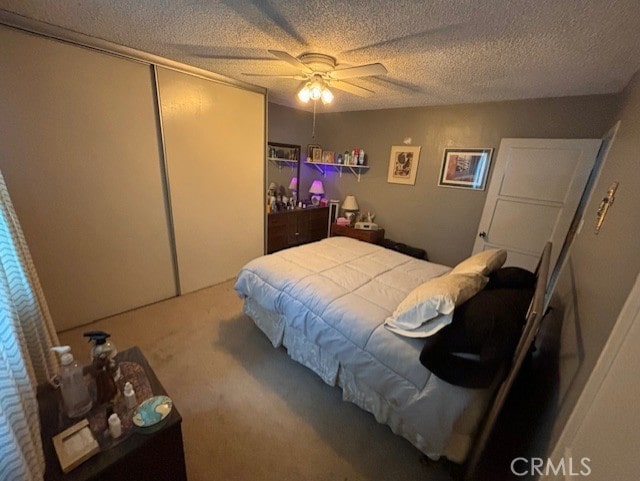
{"points": [[532, 325]]}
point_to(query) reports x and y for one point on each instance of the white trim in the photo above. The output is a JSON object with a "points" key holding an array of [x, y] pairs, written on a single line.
{"points": [[55, 32]]}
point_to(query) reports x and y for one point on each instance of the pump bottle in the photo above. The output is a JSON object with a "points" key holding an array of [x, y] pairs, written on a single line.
{"points": [[75, 392], [102, 347]]}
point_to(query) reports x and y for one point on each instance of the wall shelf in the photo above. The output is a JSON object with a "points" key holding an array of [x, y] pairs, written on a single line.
{"points": [[283, 154], [354, 169], [281, 162]]}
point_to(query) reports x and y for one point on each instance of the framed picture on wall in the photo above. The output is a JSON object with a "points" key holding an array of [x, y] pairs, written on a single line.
{"points": [[465, 168], [403, 164]]}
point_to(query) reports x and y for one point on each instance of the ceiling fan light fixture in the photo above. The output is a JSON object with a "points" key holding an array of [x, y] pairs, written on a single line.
{"points": [[304, 94], [316, 89], [326, 96]]}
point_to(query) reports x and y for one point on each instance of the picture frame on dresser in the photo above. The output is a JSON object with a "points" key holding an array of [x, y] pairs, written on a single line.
{"points": [[334, 212]]}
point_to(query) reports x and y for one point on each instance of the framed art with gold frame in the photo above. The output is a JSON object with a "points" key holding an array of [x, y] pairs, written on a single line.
{"points": [[403, 164]]}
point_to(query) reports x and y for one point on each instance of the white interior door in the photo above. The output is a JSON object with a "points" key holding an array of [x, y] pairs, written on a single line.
{"points": [[533, 196]]}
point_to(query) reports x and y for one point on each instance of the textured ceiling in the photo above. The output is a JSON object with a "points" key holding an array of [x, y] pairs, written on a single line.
{"points": [[436, 52]]}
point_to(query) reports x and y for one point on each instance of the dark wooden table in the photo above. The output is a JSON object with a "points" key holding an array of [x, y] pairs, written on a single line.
{"points": [[372, 236], [154, 453]]}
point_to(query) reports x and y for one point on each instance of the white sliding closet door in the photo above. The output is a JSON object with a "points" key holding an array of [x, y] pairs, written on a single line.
{"points": [[80, 152], [214, 146]]}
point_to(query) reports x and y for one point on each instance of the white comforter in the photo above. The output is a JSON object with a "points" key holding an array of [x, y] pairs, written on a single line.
{"points": [[338, 293]]}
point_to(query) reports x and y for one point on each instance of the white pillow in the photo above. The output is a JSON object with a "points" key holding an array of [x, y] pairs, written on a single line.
{"points": [[434, 301], [483, 263], [427, 329]]}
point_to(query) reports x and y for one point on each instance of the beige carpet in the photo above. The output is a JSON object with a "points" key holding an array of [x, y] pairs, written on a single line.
{"points": [[249, 411]]}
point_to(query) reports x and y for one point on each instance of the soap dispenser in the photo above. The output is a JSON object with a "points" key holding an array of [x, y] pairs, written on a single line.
{"points": [[75, 392]]}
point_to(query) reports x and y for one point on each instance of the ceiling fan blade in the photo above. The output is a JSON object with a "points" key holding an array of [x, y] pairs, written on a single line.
{"points": [[359, 71], [291, 60], [351, 88], [296, 77]]}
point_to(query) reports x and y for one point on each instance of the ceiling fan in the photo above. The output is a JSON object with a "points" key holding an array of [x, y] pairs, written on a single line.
{"points": [[319, 71]]}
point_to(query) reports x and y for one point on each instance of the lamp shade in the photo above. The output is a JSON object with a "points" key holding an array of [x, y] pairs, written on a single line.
{"points": [[350, 203], [316, 188], [326, 96], [315, 91], [293, 185], [304, 94]]}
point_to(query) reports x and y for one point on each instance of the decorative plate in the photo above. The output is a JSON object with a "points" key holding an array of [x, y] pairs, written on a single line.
{"points": [[152, 411]]}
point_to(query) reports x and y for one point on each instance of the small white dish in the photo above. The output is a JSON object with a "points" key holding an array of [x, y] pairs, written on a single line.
{"points": [[152, 411]]}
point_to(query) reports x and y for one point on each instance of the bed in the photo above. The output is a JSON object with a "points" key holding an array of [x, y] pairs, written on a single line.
{"points": [[334, 305]]}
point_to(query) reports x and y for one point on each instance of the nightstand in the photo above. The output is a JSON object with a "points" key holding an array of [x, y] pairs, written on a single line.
{"points": [[154, 453], [372, 236]]}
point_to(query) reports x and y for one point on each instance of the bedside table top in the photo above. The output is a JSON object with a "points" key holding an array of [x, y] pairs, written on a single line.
{"points": [[372, 236]]}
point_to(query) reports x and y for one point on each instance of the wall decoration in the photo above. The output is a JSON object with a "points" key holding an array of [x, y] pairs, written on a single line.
{"points": [[316, 154], [310, 148], [328, 157], [403, 164], [465, 168]]}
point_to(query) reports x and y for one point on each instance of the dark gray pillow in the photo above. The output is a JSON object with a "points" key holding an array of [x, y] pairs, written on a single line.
{"points": [[487, 327], [511, 277]]}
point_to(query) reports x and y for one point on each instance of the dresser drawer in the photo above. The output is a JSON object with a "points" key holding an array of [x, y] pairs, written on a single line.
{"points": [[279, 219], [295, 227]]}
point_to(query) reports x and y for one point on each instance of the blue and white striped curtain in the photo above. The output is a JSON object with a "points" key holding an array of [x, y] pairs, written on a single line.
{"points": [[26, 334]]}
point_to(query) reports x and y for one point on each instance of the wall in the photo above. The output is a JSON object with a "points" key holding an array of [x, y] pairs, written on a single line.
{"points": [[442, 220], [600, 269]]}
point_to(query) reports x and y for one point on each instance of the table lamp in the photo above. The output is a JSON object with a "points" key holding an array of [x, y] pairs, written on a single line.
{"points": [[293, 187], [317, 191], [350, 209]]}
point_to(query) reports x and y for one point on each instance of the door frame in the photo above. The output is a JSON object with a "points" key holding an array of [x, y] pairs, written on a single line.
{"points": [[578, 221]]}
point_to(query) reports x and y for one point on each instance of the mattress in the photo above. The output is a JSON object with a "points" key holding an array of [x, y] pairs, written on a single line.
{"points": [[327, 302]]}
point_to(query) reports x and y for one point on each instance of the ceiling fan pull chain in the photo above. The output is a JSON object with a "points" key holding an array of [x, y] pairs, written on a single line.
{"points": [[313, 129]]}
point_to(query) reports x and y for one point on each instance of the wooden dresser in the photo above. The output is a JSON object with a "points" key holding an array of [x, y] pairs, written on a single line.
{"points": [[296, 227]]}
